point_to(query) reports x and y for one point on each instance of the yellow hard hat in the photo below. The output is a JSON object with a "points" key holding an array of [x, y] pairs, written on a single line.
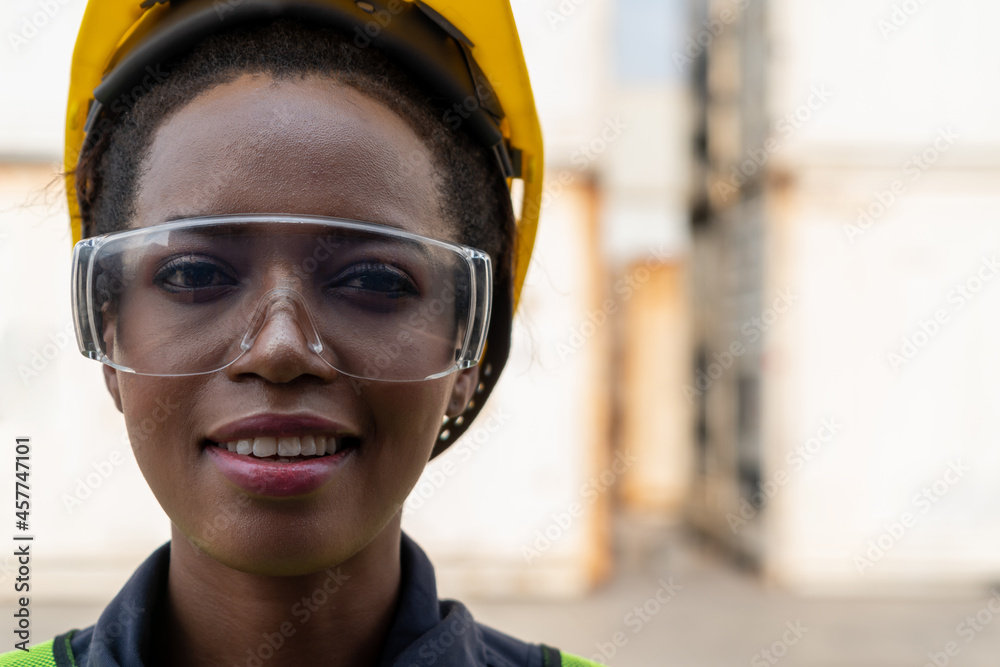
{"points": [[468, 52]]}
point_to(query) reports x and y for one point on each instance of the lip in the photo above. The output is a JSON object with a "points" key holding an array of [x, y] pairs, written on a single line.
{"points": [[277, 425], [273, 478]]}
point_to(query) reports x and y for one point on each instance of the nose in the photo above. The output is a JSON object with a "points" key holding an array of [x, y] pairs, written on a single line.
{"points": [[281, 342]]}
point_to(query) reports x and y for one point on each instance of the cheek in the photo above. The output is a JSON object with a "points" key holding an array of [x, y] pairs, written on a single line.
{"points": [[417, 407], [156, 416], [406, 422]]}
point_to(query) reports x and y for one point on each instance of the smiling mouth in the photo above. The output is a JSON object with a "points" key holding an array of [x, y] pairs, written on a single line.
{"points": [[288, 449]]}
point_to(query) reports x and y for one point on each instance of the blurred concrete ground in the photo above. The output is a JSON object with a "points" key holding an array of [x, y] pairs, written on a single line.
{"points": [[723, 616], [719, 616]]}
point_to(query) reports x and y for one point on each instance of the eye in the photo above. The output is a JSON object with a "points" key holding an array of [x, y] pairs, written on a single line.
{"points": [[192, 273], [377, 280]]}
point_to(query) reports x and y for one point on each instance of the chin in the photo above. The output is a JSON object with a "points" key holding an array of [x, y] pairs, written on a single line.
{"points": [[285, 547]]}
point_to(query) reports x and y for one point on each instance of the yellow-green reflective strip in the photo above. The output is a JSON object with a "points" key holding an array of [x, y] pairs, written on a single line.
{"points": [[570, 660], [39, 655]]}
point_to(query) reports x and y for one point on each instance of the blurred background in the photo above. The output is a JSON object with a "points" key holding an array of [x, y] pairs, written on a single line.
{"points": [[751, 413]]}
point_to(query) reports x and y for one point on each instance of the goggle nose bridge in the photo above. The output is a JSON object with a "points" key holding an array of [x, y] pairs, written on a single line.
{"points": [[277, 300]]}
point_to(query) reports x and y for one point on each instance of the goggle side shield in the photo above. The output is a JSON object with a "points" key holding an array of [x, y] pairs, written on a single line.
{"points": [[191, 296]]}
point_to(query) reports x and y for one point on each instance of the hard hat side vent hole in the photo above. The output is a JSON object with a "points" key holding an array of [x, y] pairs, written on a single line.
{"points": [[517, 197]]}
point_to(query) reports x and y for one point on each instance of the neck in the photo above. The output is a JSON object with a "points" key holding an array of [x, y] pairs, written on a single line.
{"points": [[214, 615]]}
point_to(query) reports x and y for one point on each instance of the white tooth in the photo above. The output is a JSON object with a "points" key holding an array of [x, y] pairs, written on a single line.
{"points": [[320, 445], [244, 446], [231, 446], [289, 446], [266, 446], [308, 447]]}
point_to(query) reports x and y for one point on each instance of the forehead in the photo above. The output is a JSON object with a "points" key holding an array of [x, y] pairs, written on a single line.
{"points": [[304, 145]]}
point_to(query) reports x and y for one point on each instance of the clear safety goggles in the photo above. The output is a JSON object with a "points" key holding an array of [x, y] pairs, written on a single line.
{"points": [[191, 296]]}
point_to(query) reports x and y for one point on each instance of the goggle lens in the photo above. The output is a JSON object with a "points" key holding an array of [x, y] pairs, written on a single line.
{"points": [[191, 297]]}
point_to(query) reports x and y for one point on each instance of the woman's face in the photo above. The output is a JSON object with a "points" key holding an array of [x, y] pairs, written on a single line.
{"points": [[306, 146]]}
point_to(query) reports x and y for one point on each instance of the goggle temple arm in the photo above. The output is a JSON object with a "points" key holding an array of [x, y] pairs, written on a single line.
{"points": [[481, 269], [87, 338]]}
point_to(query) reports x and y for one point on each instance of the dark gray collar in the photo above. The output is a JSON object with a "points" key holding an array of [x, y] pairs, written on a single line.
{"points": [[424, 630]]}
